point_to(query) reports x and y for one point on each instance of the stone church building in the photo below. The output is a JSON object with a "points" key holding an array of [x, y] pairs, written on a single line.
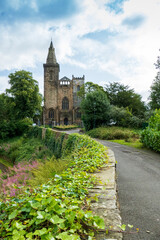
{"points": [[61, 103]]}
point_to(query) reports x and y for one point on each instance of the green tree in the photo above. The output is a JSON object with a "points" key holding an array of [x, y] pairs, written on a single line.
{"points": [[89, 87], [122, 96], [24, 94], [155, 89], [95, 110]]}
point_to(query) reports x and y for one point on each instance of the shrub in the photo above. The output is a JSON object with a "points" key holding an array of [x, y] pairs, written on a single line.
{"points": [[111, 133], [16, 177], [65, 127], [150, 137], [124, 118]]}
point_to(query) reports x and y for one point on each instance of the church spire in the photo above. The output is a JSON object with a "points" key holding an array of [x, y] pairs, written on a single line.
{"points": [[51, 58]]}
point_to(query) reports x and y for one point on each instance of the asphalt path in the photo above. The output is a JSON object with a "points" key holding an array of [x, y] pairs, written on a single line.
{"points": [[138, 183]]}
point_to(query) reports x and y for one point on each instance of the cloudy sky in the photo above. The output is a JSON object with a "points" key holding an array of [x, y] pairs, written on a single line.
{"points": [[106, 40]]}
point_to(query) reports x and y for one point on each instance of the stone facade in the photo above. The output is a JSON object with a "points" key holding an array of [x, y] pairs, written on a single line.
{"points": [[61, 103]]}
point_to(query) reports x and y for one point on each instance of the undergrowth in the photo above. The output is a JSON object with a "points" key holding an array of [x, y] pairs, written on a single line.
{"points": [[59, 208]]}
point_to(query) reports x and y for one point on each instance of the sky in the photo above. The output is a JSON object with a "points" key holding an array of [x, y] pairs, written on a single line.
{"points": [[105, 40]]}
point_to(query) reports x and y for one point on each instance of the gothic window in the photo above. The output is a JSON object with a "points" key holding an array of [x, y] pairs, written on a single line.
{"points": [[65, 103], [78, 88], [51, 114]]}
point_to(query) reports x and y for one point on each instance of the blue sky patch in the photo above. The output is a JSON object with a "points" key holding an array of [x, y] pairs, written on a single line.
{"points": [[101, 36], [41, 10], [134, 22], [115, 6]]}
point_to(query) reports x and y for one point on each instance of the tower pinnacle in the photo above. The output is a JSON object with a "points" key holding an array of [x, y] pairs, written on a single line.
{"points": [[51, 58]]}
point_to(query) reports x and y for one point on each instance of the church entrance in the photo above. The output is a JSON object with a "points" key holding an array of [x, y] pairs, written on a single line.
{"points": [[66, 121]]}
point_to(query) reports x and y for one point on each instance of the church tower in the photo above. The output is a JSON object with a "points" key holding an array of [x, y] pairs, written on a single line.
{"points": [[51, 79]]}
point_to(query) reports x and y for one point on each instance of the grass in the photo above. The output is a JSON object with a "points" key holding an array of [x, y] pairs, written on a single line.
{"points": [[124, 136], [6, 162], [131, 143]]}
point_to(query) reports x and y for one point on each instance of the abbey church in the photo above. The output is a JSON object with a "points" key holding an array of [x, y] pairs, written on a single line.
{"points": [[61, 103]]}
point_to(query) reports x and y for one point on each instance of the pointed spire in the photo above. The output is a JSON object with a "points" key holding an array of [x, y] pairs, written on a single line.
{"points": [[51, 58]]}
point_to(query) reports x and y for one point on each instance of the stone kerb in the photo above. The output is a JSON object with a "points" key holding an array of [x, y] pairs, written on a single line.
{"points": [[107, 204]]}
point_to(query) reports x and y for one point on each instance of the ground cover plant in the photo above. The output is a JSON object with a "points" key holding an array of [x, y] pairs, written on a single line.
{"points": [[59, 208]]}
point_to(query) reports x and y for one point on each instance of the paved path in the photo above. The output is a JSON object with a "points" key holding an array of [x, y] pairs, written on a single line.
{"points": [[138, 189]]}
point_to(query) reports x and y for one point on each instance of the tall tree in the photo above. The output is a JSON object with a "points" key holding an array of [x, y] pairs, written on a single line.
{"points": [[95, 110], [155, 89], [24, 94], [122, 96], [89, 87]]}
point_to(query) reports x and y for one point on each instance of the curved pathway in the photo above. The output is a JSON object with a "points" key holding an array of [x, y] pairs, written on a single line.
{"points": [[138, 189], [138, 179]]}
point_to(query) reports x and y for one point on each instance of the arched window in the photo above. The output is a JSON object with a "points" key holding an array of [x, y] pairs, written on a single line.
{"points": [[65, 103], [78, 88], [51, 114]]}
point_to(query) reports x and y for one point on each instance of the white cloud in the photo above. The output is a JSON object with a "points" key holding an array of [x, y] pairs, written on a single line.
{"points": [[128, 55]]}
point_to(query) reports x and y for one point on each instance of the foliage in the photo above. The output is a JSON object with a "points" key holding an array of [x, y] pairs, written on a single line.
{"points": [[24, 93], [95, 110], [89, 87], [150, 137], [14, 178], [47, 170], [155, 89], [124, 118], [122, 96], [24, 149], [110, 133], [55, 210], [9, 126], [65, 127]]}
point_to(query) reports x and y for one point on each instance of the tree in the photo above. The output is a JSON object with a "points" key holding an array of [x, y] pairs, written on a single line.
{"points": [[89, 87], [95, 110], [122, 96], [24, 94], [155, 89]]}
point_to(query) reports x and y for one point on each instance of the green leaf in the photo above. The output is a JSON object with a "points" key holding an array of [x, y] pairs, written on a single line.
{"points": [[40, 232], [65, 236], [123, 227], [99, 222], [55, 219], [13, 214]]}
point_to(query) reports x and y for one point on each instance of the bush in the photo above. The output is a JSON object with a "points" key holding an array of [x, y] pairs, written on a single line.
{"points": [[124, 118], [10, 129], [111, 133], [150, 137], [65, 127]]}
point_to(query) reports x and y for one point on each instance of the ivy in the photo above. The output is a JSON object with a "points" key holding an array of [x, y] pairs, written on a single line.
{"points": [[58, 209]]}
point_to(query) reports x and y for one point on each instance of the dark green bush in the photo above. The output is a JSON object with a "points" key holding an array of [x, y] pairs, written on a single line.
{"points": [[150, 137]]}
